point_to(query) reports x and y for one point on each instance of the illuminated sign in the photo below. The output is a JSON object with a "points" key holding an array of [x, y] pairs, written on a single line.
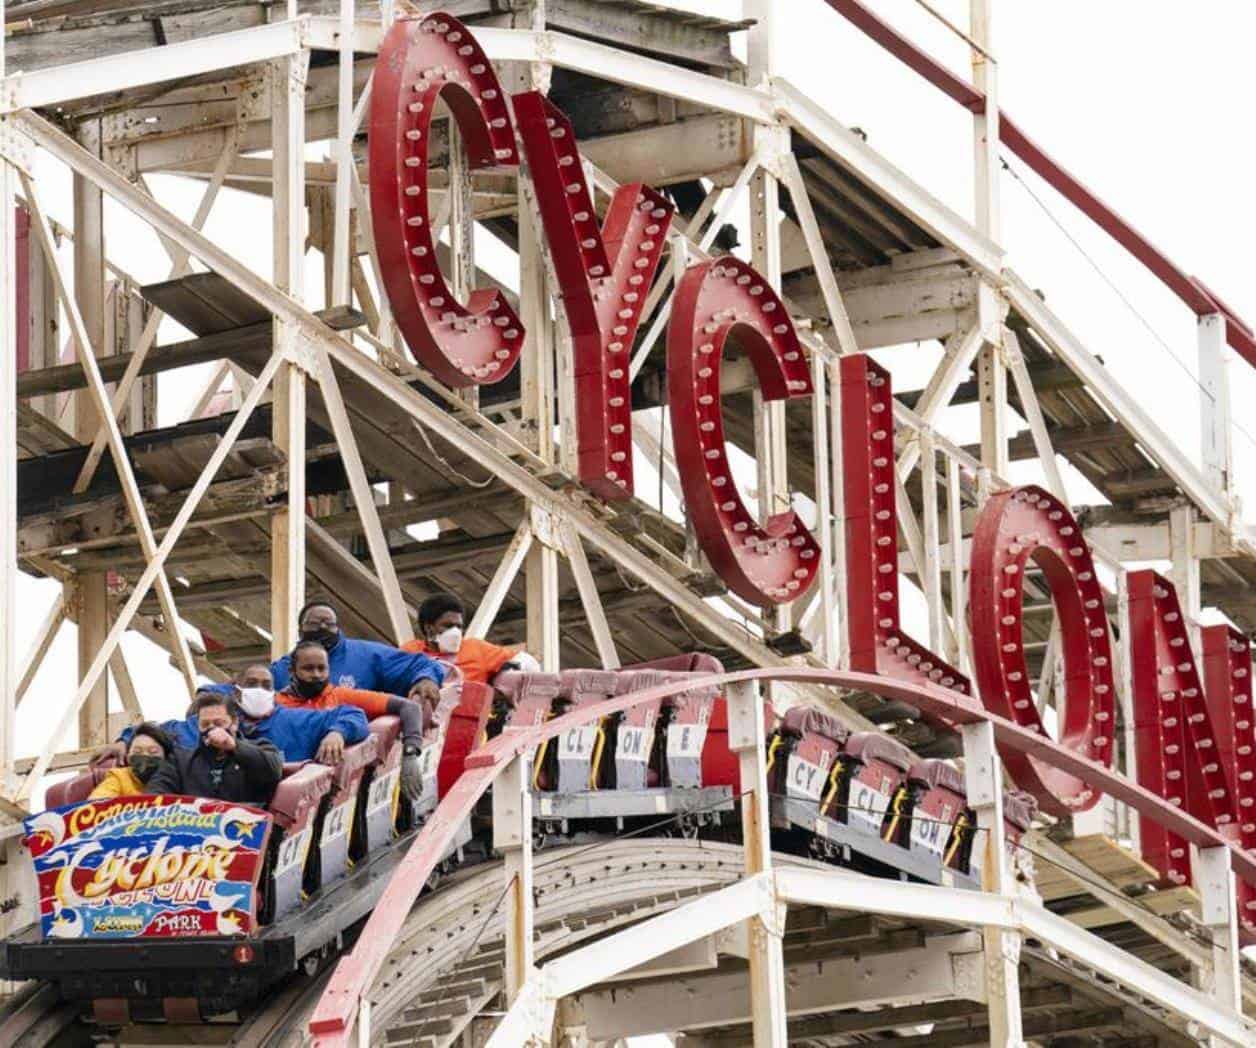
{"points": [[145, 867], [1195, 737]]}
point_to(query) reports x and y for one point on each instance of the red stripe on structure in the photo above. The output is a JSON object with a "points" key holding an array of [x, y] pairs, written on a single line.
{"points": [[334, 1017], [1190, 290]]}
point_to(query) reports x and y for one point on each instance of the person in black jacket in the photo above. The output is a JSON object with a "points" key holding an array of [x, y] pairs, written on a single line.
{"points": [[225, 766]]}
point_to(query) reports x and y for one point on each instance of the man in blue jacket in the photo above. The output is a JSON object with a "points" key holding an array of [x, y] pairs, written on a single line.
{"points": [[364, 664], [298, 734]]}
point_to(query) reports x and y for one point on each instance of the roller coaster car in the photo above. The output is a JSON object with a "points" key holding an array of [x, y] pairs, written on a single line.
{"points": [[153, 907], [659, 758]]}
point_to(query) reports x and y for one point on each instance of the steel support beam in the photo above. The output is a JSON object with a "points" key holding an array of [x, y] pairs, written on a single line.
{"points": [[90, 591]]}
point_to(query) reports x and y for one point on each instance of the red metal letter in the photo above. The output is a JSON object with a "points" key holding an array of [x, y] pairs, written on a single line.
{"points": [[419, 62], [1228, 689], [1013, 527], [603, 276], [877, 642], [725, 297], [1186, 743]]}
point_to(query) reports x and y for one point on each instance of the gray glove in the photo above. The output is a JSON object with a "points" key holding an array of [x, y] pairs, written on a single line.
{"points": [[412, 776]]}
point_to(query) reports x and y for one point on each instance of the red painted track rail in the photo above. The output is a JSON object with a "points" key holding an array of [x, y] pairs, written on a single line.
{"points": [[336, 1013], [1191, 290]]}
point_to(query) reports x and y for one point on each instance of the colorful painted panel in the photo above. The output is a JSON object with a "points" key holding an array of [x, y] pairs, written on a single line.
{"points": [[147, 867]]}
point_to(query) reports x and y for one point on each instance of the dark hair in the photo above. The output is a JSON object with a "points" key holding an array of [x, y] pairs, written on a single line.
{"points": [[154, 732], [317, 604], [205, 699], [437, 605], [252, 666], [303, 645]]}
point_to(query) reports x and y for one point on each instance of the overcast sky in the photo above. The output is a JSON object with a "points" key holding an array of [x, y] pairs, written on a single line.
{"points": [[1146, 103]]}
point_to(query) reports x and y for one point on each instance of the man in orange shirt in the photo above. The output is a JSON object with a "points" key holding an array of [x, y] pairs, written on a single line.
{"points": [[311, 688], [441, 619]]}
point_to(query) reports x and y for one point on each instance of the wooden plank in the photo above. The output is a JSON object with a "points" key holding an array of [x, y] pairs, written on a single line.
{"points": [[1108, 859], [1161, 903], [228, 343]]}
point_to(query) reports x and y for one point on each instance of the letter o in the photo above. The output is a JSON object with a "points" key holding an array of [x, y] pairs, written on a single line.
{"points": [[1015, 527]]}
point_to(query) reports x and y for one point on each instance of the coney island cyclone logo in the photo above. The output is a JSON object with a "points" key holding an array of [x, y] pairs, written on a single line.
{"points": [[147, 866]]}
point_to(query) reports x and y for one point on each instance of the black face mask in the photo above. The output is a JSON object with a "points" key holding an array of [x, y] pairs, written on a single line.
{"points": [[327, 638], [308, 689], [143, 765]]}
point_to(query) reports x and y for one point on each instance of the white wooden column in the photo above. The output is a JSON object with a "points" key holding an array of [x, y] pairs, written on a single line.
{"points": [[991, 370], [1217, 891], [767, 966], [541, 565], [8, 474], [89, 593], [512, 836], [984, 782], [342, 239], [288, 524], [1184, 572], [1216, 454]]}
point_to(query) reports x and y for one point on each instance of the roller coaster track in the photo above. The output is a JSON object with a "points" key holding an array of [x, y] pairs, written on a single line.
{"points": [[446, 967], [439, 962]]}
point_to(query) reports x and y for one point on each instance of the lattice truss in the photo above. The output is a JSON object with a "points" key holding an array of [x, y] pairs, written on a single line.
{"points": [[427, 392]]}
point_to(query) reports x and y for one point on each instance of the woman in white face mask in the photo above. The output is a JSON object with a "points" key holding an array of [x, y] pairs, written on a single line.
{"points": [[440, 634]]}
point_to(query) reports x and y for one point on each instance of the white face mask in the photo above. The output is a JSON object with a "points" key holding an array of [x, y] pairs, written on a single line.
{"points": [[448, 641], [257, 702]]}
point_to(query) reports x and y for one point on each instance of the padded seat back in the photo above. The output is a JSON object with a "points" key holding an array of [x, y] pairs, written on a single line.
{"points": [[531, 696], [692, 662], [381, 789], [941, 801], [881, 766], [814, 741], [579, 751], [460, 723], [76, 788], [799, 720], [294, 809], [337, 827]]}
